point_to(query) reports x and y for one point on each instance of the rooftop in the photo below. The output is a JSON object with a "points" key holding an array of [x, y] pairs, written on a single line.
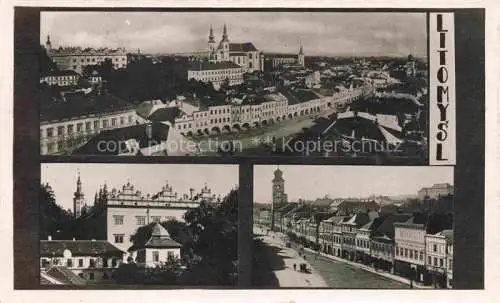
{"points": [[51, 248], [206, 65], [56, 73], [75, 105], [242, 47], [120, 136], [166, 114]]}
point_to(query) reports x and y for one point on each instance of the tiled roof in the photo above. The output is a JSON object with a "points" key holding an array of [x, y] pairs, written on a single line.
{"points": [[361, 126], [78, 105], [50, 248], [205, 65], [61, 73], [121, 135], [165, 114], [242, 47], [65, 276]]}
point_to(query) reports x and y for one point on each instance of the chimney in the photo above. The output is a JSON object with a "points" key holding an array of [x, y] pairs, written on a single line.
{"points": [[74, 239], [49, 238]]}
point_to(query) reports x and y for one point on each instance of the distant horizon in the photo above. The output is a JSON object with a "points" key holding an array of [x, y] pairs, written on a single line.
{"points": [[316, 181], [320, 33]]}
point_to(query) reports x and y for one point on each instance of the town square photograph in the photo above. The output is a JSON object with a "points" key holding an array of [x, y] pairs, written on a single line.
{"points": [[353, 227], [346, 85], [138, 224]]}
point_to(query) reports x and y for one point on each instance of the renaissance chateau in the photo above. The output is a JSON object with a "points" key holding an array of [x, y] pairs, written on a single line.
{"points": [[117, 213]]}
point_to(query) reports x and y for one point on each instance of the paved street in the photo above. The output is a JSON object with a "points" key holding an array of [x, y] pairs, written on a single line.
{"points": [[255, 136], [281, 259], [325, 271]]}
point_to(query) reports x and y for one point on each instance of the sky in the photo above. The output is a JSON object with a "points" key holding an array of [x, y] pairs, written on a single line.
{"points": [[148, 178], [314, 181], [320, 33]]}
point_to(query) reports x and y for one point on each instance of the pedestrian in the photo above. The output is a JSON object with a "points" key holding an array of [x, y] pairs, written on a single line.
{"points": [[294, 266]]}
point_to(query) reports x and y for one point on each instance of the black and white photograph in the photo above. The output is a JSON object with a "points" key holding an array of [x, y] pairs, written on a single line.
{"points": [[325, 84], [353, 227], [234, 150], [138, 224]]}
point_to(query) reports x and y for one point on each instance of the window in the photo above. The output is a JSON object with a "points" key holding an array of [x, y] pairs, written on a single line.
{"points": [[441, 263], [118, 238], [156, 218], [434, 248], [118, 219], [122, 120], [88, 126], [50, 147], [130, 119], [50, 132], [416, 254], [105, 262], [105, 123], [91, 276], [92, 263], [406, 252], [141, 220], [69, 263], [60, 130], [80, 262], [114, 262], [411, 254], [113, 122], [170, 256], [156, 256], [96, 124], [429, 260], [435, 261], [45, 263], [421, 256], [450, 264]]}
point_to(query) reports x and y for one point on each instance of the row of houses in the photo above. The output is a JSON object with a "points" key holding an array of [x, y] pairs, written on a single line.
{"points": [[417, 246], [82, 262]]}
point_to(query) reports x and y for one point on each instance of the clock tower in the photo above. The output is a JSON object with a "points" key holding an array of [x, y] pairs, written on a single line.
{"points": [[279, 196]]}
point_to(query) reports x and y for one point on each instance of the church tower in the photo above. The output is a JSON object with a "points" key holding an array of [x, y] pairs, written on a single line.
{"points": [[211, 44], [301, 58], [48, 44], [279, 196], [78, 199], [224, 45]]}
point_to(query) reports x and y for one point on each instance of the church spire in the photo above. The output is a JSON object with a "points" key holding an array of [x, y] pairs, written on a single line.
{"points": [[48, 44], [301, 51], [79, 184], [224, 34], [211, 37]]}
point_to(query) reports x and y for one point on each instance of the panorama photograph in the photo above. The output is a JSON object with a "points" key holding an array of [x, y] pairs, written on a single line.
{"points": [[350, 85]]}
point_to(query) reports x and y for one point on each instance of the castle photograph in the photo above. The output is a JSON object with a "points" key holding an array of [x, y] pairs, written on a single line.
{"points": [[138, 224], [240, 83]]}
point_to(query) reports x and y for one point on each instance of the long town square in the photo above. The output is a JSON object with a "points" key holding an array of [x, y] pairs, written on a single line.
{"points": [[219, 84]]}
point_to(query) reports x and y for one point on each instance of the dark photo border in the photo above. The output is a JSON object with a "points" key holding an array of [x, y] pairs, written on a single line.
{"points": [[469, 169]]}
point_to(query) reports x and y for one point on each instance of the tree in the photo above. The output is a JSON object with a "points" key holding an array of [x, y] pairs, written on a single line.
{"points": [[54, 220]]}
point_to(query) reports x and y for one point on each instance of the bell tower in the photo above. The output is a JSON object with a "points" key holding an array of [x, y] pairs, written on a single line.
{"points": [[211, 44], [279, 196], [225, 44], [78, 199], [301, 58]]}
